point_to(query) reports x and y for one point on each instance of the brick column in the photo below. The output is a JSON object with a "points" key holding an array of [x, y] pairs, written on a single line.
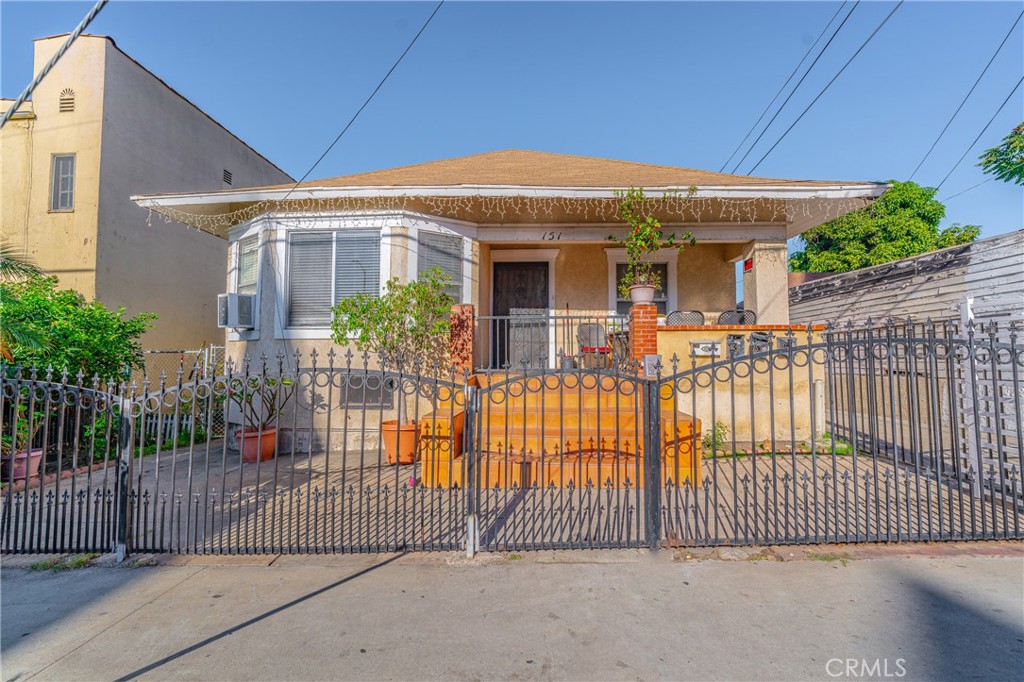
{"points": [[643, 331], [460, 339]]}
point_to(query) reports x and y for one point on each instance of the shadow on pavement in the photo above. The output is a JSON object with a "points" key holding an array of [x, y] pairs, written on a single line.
{"points": [[252, 621], [955, 637]]}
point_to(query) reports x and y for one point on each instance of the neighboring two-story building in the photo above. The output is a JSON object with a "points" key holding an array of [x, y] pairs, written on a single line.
{"points": [[98, 129]]}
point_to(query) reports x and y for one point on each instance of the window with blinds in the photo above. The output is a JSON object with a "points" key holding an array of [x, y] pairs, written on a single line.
{"points": [[247, 264], [442, 251], [325, 267], [622, 305]]}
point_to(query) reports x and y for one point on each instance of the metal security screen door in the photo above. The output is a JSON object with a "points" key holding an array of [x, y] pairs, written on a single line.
{"points": [[520, 288]]}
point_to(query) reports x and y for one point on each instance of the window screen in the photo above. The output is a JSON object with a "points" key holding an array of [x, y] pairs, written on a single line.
{"points": [[442, 251], [248, 262]]}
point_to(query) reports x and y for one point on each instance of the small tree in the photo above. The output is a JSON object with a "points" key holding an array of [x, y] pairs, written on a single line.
{"points": [[81, 335], [13, 268], [644, 240], [903, 222], [408, 325], [1006, 161]]}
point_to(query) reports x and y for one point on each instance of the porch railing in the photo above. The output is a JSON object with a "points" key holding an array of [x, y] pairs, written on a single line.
{"points": [[548, 339]]}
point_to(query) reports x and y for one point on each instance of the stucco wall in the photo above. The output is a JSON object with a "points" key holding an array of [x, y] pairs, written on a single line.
{"points": [[752, 410], [62, 243], [154, 141], [149, 140], [705, 279]]}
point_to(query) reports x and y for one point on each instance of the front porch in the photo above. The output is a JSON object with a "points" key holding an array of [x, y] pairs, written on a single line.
{"points": [[538, 304]]}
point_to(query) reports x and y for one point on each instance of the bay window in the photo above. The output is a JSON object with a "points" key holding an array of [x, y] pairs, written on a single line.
{"points": [[327, 266]]}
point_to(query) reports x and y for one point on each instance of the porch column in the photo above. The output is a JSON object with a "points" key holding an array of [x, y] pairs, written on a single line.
{"points": [[643, 332], [460, 339], [765, 285]]}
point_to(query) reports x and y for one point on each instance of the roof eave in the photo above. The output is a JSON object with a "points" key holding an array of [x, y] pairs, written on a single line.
{"points": [[208, 200]]}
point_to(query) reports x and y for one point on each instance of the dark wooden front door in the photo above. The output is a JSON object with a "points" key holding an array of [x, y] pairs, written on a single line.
{"points": [[518, 289]]}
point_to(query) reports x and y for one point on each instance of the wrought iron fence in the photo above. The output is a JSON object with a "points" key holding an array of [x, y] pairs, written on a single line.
{"points": [[545, 339], [893, 433]]}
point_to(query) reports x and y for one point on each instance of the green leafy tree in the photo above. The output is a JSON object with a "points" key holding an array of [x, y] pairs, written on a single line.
{"points": [[408, 324], [903, 222], [80, 335], [1006, 161]]}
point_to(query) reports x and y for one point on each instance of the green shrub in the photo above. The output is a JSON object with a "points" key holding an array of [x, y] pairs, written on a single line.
{"points": [[82, 335]]}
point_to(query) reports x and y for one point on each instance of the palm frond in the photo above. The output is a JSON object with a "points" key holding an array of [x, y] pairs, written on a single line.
{"points": [[14, 265]]}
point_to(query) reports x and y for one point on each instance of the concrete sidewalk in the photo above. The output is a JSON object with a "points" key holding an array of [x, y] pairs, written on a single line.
{"points": [[949, 613]]}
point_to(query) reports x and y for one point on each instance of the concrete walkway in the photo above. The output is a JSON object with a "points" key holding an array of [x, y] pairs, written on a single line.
{"points": [[944, 612]]}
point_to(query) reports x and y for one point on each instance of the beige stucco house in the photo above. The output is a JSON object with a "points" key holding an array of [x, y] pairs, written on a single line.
{"points": [[100, 128], [515, 230]]}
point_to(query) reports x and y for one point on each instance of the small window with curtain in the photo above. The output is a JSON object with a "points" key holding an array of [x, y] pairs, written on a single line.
{"points": [[325, 267], [62, 187], [247, 261], [442, 251], [622, 305]]}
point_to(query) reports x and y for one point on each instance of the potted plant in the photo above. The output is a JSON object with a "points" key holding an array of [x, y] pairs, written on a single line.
{"points": [[20, 459], [643, 242], [407, 327], [260, 400]]}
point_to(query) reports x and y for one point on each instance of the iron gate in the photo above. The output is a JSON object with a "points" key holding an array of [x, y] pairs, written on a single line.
{"points": [[901, 432]]}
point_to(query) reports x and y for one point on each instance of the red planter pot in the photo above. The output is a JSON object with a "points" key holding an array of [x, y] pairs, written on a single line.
{"points": [[256, 445], [400, 441]]}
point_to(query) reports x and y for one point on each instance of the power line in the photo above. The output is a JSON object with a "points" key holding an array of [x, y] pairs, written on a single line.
{"points": [[965, 191], [797, 68], [962, 156], [368, 99], [100, 4], [827, 86], [797, 87], [968, 95]]}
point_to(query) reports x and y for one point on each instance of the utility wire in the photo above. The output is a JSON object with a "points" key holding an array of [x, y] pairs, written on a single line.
{"points": [[774, 99], [965, 191], [968, 95], [962, 156], [797, 87], [827, 86], [53, 61], [368, 99]]}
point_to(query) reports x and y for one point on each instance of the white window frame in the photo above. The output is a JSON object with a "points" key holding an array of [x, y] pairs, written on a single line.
{"points": [[328, 224], [54, 194], [668, 256], [235, 236], [467, 256]]}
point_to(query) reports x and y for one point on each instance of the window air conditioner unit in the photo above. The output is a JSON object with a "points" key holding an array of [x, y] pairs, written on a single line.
{"points": [[236, 310]]}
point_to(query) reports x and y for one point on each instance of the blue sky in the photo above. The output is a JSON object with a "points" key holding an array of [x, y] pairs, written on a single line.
{"points": [[668, 83]]}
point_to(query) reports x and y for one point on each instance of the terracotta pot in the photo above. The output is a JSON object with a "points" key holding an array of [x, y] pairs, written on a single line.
{"points": [[641, 294], [25, 463], [257, 445], [400, 441]]}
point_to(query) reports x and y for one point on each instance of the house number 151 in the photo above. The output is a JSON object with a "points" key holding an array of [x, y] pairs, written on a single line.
{"points": [[551, 236]]}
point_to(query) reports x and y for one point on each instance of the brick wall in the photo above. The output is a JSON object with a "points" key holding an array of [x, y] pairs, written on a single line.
{"points": [[643, 331], [461, 338]]}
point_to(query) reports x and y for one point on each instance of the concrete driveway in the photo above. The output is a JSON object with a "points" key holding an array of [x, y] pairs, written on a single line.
{"points": [[948, 612]]}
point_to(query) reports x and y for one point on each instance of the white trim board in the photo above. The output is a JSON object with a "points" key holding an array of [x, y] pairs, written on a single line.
{"points": [[669, 256]]}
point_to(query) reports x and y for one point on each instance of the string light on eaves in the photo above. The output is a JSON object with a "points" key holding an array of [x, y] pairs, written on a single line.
{"points": [[487, 209]]}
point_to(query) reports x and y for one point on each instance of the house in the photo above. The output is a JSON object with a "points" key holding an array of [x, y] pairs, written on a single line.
{"points": [[99, 128], [519, 232]]}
